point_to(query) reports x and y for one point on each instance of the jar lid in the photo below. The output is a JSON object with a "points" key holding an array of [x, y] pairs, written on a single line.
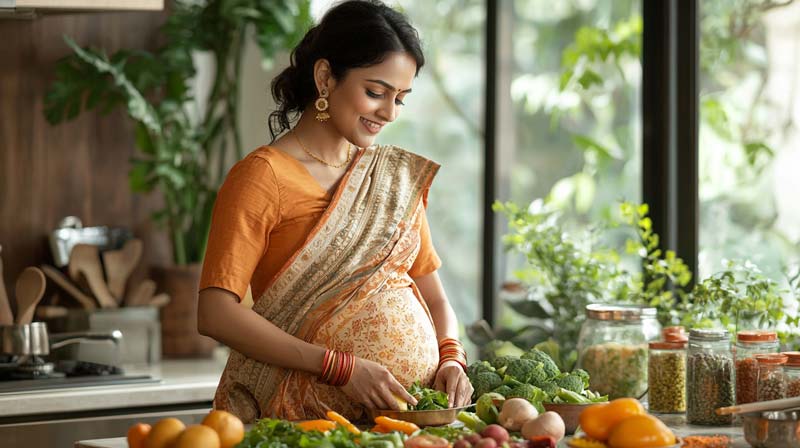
{"points": [[667, 345], [757, 336], [793, 359], [673, 329], [601, 311], [708, 334], [771, 358], [676, 337]]}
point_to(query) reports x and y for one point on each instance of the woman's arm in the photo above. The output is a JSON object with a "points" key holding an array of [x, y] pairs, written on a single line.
{"points": [[220, 316], [450, 378]]}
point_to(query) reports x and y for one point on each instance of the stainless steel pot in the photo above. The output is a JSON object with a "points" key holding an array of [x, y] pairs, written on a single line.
{"points": [[33, 339], [772, 429]]}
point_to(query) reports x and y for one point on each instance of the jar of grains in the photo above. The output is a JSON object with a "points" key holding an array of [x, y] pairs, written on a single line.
{"points": [[748, 344], [709, 377], [792, 371], [612, 348], [771, 379], [666, 374]]}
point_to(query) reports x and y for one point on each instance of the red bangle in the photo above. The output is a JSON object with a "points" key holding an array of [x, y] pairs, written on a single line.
{"points": [[337, 368], [451, 349]]}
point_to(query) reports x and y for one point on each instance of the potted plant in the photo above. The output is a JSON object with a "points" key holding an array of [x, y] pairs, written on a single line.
{"points": [[183, 150]]}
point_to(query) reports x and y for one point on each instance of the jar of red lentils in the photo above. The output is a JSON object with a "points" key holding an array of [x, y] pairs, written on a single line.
{"points": [[792, 371], [771, 377], [748, 344]]}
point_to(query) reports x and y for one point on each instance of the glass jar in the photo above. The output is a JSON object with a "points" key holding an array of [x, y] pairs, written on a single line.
{"points": [[612, 348], [792, 371], [748, 344], [709, 377], [666, 376], [771, 379]]}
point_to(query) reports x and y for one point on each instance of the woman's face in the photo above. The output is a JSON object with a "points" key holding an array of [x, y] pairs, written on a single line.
{"points": [[368, 98]]}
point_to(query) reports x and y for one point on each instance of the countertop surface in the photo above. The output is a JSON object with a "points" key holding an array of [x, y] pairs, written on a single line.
{"points": [[179, 382]]}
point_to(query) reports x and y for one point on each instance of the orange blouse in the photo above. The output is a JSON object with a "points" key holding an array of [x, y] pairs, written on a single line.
{"points": [[264, 211]]}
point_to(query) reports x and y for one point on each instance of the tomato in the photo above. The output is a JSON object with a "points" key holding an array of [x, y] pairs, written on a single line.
{"points": [[641, 431], [598, 420], [426, 441]]}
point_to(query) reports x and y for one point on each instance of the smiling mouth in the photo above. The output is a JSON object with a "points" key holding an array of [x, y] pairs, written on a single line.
{"points": [[371, 126]]}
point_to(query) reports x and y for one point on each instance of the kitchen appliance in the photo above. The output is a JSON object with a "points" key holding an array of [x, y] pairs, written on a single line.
{"points": [[24, 366]]}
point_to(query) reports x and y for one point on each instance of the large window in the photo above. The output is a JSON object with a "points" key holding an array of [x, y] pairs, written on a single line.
{"points": [[442, 120], [749, 148]]}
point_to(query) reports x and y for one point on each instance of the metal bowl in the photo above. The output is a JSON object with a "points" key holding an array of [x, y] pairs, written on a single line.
{"points": [[773, 429], [439, 417]]}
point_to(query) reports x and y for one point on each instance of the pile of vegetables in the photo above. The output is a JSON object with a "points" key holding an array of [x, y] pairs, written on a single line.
{"points": [[516, 416], [533, 376]]}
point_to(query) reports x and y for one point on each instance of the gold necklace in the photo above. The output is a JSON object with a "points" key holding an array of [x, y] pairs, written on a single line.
{"points": [[318, 159]]}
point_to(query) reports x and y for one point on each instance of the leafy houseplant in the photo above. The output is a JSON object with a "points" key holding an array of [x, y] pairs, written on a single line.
{"points": [[182, 149]]}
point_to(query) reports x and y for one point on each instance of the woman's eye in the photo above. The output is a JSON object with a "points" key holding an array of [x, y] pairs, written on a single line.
{"points": [[373, 94]]}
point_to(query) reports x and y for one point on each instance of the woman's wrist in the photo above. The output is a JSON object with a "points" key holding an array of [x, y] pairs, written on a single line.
{"points": [[452, 351], [337, 368]]}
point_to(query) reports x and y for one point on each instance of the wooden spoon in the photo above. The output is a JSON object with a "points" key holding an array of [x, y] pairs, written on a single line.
{"points": [[51, 311], [119, 264], [160, 300], [6, 317], [141, 294], [84, 263], [29, 290], [64, 283]]}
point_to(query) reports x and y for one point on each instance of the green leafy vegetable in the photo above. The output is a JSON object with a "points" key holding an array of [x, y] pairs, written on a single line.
{"points": [[427, 399]]}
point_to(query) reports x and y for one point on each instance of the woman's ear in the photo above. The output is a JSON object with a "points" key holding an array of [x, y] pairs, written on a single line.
{"points": [[323, 78]]}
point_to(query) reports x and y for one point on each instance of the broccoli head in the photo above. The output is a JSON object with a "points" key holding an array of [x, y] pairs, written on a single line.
{"points": [[572, 382], [530, 393], [500, 363], [503, 390], [523, 369], [485, 382], [584, 376], [477, 367], [550, 388], [550, 368]]}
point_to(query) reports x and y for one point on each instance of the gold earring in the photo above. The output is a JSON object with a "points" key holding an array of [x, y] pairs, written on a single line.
{"points": [[322, 107]]}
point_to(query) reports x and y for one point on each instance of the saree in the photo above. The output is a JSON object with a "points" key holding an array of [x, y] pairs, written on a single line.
{"points": [[347, 288]]}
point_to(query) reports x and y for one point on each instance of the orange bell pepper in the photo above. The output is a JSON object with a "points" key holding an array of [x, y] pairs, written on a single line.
{"points": [[391, 424], [316, 425], [338, 418]]}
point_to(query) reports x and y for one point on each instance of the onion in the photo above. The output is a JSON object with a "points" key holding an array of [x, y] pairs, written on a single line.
{"points": [[515, 412], [547, 424]]}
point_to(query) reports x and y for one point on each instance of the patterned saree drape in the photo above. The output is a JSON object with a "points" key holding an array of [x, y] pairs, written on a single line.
{"points": [[339, 290]]}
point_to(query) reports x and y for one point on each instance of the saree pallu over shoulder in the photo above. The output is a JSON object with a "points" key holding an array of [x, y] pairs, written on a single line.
{"points": [[367, 237]]}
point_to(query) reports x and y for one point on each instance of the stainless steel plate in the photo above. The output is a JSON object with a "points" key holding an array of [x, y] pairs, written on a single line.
{"points": [[420, 418]]}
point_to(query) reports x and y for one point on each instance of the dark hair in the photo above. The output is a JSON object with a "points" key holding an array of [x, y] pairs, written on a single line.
{"points": [[352, 34]]}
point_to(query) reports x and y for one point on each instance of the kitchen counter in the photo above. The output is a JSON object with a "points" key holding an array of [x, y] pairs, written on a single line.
{"points": [[180, 382]]}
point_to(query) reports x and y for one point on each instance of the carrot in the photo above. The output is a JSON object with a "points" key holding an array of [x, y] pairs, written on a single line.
{"points": [[317, 425], [339, 418], [380, 429], [396, 425]]}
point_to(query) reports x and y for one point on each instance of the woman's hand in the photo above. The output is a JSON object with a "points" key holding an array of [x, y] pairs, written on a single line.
{"points": [[373, 385], [451, 379]]}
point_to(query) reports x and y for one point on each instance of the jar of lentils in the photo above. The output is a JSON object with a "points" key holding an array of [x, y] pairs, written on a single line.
{"points": [[771, 378], [666, 375], [709, 377], [748, 344], [792, 371]]}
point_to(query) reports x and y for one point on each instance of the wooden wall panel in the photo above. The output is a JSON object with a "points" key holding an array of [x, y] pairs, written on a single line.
{"points": [[77, 168]]}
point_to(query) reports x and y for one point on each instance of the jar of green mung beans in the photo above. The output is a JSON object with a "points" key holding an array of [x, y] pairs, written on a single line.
{"points": [[666, 377], [709, 377]]}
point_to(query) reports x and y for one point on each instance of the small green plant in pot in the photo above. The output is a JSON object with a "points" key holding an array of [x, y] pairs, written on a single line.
{"points": [[184, 150]]}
